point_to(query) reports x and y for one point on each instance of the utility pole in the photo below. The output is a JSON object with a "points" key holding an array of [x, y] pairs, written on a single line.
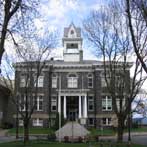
{"points": [[129, 122]]}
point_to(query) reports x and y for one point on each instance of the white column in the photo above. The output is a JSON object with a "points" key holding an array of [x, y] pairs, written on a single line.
{"points": [[85, 106], [80, 106], [59, 103], [65, 107]]}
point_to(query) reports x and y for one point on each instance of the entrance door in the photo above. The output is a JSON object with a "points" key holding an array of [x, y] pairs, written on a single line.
{"points": [[72, 115], [72, 108]]}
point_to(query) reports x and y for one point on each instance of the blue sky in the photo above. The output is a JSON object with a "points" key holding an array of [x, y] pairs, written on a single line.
{"points": [[57, 14]]}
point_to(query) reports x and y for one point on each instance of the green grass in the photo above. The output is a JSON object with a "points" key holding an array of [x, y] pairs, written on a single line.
{"points": [[144, 129], [109, 132], [32, 131], [106, 132], [56, 144], [94, 132]]}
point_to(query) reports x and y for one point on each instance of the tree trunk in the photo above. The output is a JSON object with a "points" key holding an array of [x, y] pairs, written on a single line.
{"points": [[120, 129], [26, 132], [17, 124]]}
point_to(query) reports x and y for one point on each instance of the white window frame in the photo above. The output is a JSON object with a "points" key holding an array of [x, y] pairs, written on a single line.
{"points": [[106, 102], [54, 81], [103, 82], [24, 81], [37, 122], [53, 103], [39, 99], [39, 81], [90, 101], [90, 83], [22, 106], [118, 103], [108, 121], [72, 81], [21, 123]]}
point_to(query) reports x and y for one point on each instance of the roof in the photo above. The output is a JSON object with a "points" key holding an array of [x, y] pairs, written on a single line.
{"points": [[63, 63], [77, 29]]}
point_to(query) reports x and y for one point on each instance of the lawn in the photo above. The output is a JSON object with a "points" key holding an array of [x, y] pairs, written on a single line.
{"points": [[140, 129], [56, 144], [32, 131], [105, 132]]}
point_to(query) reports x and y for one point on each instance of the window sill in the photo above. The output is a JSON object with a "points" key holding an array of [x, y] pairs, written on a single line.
{"points": [[106, 110]]}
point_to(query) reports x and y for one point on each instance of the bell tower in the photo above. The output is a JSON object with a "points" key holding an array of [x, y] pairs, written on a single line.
{"points": [[72, 43]]}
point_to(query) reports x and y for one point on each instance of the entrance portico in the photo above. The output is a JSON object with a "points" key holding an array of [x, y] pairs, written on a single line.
{"points": [[72, 105]]}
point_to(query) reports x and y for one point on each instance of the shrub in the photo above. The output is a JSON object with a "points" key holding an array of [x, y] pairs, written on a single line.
{"points": [[7, 125], [97, 138], [51, 137], [80, 139], [66, 138], [135, 125]]}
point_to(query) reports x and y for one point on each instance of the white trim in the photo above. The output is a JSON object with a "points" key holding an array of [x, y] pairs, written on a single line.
{"points": [[106, 99], [107, 121], [80, 108], [37, 122], [65, 116]]}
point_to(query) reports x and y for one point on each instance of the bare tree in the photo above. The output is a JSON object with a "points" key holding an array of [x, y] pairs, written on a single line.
{"points": [[32, 56], [136, 11], [139, 105], [13, 15], [107, 30]]}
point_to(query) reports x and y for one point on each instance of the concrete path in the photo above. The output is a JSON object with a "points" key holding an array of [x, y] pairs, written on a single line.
{"points": [[137, 138]]}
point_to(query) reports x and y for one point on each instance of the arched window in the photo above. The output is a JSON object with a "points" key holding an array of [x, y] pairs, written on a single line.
{"points": [[72, 81], [72, 32], [54, 81], [90, 81]]}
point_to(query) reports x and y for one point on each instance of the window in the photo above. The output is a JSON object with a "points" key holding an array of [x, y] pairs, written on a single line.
{"points": [[38, 103], [106, 121], [54, 103], [37, 122], [90, 81], [72, 81], [54, 81], [21, 122], [72, 32], [106, 103], [39, 81], [90, 103], [24, 81], [1, 115], [22, 101], [72, 46], [120, 102], [103, 82], [91, 121]]}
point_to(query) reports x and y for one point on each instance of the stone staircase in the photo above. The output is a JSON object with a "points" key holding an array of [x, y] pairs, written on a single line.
{"points": [[72, 130]]}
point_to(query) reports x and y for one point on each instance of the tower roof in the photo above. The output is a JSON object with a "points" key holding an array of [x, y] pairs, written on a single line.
{"points": [[77, 29]]}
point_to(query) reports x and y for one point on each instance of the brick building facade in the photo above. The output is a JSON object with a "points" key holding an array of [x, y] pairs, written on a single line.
{"points": [[72, 87]]}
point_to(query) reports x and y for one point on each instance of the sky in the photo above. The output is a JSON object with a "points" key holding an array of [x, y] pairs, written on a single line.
{"points": [[57, 14]]}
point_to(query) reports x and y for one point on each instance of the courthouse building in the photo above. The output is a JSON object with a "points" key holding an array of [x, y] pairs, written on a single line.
{"points": [[74, 87]]}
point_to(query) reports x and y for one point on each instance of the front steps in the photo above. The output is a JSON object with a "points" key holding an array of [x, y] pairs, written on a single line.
{"points": [[71, 129]]}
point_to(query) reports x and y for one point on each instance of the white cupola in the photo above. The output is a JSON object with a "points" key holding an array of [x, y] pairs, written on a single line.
{"points": [[72, 43]]}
